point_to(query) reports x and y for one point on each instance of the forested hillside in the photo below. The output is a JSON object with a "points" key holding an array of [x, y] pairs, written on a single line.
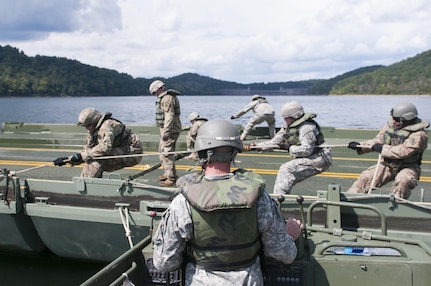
{"points": [[21, 75], [325, 86], [408, 77], [52, 76]]}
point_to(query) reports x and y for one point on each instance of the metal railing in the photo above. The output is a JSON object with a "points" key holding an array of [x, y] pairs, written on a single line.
{"points": [[131, 263]]}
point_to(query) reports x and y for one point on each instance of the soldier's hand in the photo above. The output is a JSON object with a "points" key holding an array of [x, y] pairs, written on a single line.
{"points": [[61, 161], [249, 147], [294, 227], [232, 117], [354, 145], [377, 147]]}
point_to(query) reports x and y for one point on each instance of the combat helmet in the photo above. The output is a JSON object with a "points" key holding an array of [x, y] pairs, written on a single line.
{"points": [[292, 109], [89, 116], [256, 96], [405, 110], [217, 133], [155, 85], [193, 116]]}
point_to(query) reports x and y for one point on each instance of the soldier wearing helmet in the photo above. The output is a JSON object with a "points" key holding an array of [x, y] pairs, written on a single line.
{"points": [[168, 120], [196, 122], [263, 111], [217, 207], [107, 136], [304, 140], [401, 143]]}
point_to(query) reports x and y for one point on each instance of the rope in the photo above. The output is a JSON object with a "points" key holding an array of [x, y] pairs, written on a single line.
{"points": [[342, 145], [375, 174], [276, 147], [125, 220], [126, 281], [33, 168], [139, 155]]}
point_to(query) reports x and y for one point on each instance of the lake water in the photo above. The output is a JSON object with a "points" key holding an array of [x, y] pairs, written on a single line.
{"points": [[368, 112]]}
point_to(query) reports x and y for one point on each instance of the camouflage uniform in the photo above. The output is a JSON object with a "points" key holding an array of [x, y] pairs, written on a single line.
{"points": [[401, 158], [176, 231], [263, 111], [191, 135], [168, 119], [302, 139], [110, 138]]}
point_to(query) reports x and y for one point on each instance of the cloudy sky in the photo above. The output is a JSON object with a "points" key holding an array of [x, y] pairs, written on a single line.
{"points": [[235, 40]]}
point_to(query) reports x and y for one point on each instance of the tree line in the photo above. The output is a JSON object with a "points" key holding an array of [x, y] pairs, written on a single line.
{"points": [[21, 75]]}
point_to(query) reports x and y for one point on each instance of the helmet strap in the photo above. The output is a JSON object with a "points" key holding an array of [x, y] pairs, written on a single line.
{"points": [[216, 157]]}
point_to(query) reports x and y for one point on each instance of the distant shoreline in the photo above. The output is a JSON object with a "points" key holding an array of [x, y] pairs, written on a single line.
{"points": [[149, 95]]}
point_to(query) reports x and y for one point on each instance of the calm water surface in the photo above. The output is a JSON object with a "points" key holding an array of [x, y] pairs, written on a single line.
{"points": [[369, 112]]}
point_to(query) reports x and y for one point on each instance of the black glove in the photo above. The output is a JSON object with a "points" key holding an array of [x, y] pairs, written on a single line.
{"points": [[61, 161], [76, 159], [232, 117], [377, 147], [354, 145]]}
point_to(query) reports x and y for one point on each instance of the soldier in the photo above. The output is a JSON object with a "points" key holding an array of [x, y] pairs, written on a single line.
{"points": [[196, 122], [107, 136], [220, 220], [263, 111], [401, 143], [168, 120], [302, 137]]}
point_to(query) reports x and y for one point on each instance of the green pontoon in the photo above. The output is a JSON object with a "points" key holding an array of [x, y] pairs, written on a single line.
{"points": [[350, 239]]}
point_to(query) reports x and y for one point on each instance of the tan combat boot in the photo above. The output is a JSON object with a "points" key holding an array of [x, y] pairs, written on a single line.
{"points": [[168, 182], [162, 178]]}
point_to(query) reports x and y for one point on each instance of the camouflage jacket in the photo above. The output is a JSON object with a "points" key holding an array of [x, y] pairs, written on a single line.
{"points": [[193, 132], [108, 135], [176, 229], [168, 113], [307, 137], [259, 106], [402, 145]]}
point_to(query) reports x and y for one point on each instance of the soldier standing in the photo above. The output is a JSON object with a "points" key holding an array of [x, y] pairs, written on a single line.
{"points": [[221, 220], [168, 120], [263, 111], [401, 143], [302, 137], [107, 136]]}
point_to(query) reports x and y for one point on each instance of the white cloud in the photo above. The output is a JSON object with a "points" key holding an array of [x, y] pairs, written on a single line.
{"points": [[242, 41]]}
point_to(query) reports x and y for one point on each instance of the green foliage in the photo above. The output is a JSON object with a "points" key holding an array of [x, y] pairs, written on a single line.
{"points": [[325, 86], [408, 77], [21, 75], [52, 76]]}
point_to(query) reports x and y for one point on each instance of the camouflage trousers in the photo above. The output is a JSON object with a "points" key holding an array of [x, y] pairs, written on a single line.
{"points": [[95, 168], [299, 169], [168, 161], [257, 119], [405, 180]]}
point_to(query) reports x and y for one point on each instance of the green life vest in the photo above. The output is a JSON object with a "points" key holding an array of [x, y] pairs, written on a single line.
{"points": [[224, 218], [291, 133], [160, 114], [396, 137]]}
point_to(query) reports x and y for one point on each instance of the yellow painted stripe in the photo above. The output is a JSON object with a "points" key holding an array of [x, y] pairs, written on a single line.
{"points": [[338, 175]]}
